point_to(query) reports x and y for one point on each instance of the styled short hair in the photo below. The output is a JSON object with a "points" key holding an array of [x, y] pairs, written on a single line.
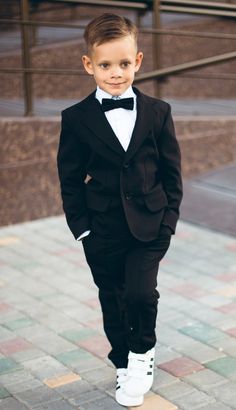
{"points": [[108, 27]]}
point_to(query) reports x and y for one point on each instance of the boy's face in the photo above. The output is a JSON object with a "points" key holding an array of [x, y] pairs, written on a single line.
{"points": [[114, 64]]}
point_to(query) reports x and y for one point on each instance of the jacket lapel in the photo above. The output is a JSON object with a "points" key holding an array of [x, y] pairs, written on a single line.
{"points": [[98, 124], [142, 126]]}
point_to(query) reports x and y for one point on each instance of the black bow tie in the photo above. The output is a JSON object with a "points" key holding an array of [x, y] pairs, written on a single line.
{"points": [[110, 104]]}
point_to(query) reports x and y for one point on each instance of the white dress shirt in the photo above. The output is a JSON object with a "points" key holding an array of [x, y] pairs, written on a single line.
{"points": [[121, 121]]}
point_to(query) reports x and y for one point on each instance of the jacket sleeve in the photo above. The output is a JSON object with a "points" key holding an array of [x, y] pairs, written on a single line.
{"points": [[170, 163], [72, 158]]}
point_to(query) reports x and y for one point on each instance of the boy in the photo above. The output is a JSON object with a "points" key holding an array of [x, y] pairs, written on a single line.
{"points": [[119, 168]]}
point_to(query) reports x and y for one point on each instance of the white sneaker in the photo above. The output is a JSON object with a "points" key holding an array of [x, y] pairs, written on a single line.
{"points": [[140, 373], [121, 397]]}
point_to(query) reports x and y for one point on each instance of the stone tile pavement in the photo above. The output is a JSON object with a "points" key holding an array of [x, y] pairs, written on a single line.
{"points": [[52, 346]]}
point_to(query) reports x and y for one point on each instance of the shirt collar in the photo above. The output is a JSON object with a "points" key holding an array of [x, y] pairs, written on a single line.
{"points": [[100, 94]]}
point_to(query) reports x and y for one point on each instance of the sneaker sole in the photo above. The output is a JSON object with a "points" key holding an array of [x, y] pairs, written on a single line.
{"points": [[130, 401]]}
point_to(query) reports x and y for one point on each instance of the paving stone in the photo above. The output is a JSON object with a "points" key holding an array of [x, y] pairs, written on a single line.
{"points": [[227, 277], [172, 337], [15, 377], [227, 308], [94, 324], [226, 394], [12, 404], [105, 404], [4, 307], [74, 357], [227, 291], [231, 332], [9, 240], [55, 405], [194, 400], [226, 345], [75, 335], [10, 347], [189, 290], [20, 323], [33, 332], [75, 389], [173, 391], [226, 366], [25, 385], [5, 334], [29, 354], [97, 345], [4, 393], [206, 315], [61, 380], [155, 402], [93, 396], [204, 333], [40, 395], [181, 366], [89, 364], [164, 354], [205, 380], [108, 386], [93, 376], [216, 406], [45, 367], [8, 365], [52, 344], [162, 379], [200, 352]]}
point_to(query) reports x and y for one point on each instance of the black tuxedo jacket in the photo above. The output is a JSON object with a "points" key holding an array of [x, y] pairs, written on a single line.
{"points": [[145, 179]]}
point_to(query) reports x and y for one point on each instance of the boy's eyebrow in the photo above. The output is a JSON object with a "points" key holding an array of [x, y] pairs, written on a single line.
{"points": [[104, 62], [109, 62]]}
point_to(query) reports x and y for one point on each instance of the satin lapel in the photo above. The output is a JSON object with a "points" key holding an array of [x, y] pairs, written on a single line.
{"points": [[142, 126], [96, 121]]}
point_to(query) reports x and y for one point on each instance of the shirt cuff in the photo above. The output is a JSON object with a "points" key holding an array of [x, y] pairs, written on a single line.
{"points": [[86, 233]]}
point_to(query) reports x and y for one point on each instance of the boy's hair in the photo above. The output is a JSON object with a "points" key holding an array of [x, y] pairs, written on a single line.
{"points": [[108, 27]]}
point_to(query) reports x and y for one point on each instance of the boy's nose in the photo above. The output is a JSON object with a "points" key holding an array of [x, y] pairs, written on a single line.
{"points": [[116, 72]]}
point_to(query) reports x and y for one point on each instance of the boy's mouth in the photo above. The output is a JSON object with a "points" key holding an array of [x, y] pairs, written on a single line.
{"points": [[116, 84]]}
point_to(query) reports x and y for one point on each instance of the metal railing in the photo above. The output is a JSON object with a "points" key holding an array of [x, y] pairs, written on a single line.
{"points": [[158, 5]]}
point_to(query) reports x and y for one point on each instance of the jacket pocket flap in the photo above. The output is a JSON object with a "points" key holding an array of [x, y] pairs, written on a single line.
{"points": [[156, 200], [98, 203]]}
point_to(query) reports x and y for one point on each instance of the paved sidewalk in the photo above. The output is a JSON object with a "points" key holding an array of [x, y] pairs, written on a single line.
{"points": [[52, 346]]}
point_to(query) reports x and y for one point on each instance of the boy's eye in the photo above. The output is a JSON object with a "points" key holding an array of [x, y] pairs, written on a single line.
{"points": [[104, 65], [125, 64]]}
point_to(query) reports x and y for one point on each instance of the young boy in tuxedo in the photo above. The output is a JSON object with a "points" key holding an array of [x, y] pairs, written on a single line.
{"points": [[119, 169]]}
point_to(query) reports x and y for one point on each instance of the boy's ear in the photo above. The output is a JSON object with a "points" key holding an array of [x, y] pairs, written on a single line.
{"points": [[138, 61], [87, 64]]}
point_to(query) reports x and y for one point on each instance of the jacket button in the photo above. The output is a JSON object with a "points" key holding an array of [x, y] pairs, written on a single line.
{"points": [[128, 196], [126, 165]]}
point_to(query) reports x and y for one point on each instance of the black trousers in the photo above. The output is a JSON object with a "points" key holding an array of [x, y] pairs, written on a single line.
{"points": [[125, 272]]}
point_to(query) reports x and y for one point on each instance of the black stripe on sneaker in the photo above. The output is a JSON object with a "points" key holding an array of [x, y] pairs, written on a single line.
{"points": [[149, 373], [118, 387]]}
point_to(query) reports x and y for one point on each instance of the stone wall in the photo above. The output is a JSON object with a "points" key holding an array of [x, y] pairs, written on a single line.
{"points": [[29, 187]]}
